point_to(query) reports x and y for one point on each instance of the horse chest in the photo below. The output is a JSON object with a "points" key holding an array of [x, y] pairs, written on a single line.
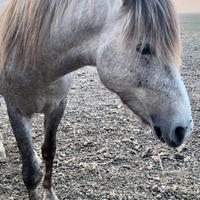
{"points": [[30, 99]]}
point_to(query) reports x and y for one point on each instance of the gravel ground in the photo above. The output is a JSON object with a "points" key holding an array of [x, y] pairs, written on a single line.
{"points": [[105, 153]]}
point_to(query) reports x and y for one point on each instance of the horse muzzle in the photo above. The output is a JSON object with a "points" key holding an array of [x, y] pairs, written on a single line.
{"points": [[174, 137]]}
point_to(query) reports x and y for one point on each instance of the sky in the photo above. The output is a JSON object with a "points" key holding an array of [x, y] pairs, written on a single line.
{"points": [[187, 6]]}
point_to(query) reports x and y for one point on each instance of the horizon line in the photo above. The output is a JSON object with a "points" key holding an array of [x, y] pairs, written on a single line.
{"points": [[188, 12]]}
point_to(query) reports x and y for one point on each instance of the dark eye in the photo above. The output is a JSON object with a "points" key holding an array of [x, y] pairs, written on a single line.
{"points": [[144, 50]]}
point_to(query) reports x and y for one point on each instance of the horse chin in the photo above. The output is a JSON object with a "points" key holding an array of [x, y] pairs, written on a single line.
{"points": [[140, 113], [146, 121]]}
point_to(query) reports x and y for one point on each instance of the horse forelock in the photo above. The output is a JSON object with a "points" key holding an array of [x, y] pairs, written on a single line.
{"points": [[24, 26], [153, 22]]}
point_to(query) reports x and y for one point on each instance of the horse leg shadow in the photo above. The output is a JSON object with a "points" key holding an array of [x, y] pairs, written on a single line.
{"points": [[51, 122], [31, 171]]}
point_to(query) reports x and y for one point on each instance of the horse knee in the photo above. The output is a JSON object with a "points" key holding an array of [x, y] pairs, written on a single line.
{"points": [[32, 174]]}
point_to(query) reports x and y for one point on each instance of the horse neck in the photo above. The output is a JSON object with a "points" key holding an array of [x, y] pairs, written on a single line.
{"points": [[75, 44]]}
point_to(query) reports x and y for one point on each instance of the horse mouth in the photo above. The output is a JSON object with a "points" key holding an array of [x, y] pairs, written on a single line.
{"points": [[158, 133]]}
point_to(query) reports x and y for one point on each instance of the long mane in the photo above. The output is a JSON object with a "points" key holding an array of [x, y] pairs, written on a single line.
{"points": [[153, 22], [25, 24]]}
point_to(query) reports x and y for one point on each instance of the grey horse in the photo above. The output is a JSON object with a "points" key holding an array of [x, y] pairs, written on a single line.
{"points": [[135, 45]]}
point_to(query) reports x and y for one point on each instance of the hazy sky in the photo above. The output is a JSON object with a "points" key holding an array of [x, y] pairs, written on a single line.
{"points": [[188, 5]]}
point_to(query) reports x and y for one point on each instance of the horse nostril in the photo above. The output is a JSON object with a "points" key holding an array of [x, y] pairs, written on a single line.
{"points": [[180, 133]]}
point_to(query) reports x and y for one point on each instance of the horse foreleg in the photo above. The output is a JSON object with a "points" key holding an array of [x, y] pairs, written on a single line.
{"points": [[51, 123], [31, 171]]}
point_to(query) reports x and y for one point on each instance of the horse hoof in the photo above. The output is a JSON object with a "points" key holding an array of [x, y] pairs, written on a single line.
{"points": [[50, 195], [34, 195]]}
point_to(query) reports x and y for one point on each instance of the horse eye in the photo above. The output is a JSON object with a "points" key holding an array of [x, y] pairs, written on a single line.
{"points": [[145, 50]]}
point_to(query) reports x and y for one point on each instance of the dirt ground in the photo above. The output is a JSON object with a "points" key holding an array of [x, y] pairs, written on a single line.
{"points": [[105, 153]]}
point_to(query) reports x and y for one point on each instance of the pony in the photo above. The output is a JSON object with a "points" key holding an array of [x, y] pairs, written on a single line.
{"points": [[135, 46]]}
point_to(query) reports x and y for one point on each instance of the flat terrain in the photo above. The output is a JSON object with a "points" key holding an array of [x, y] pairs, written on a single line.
{"points": [[190, 22], [104, 153]]}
